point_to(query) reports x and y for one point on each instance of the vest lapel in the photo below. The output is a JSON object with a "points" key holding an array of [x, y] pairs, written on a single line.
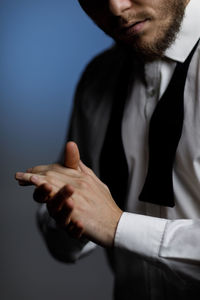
{"points": [[164, 135]]}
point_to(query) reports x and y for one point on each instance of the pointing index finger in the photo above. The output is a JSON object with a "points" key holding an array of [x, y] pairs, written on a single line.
{"points": [[29, 178]]}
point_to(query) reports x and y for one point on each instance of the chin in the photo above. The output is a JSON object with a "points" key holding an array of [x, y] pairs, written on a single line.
{"points": [[143, 50]]}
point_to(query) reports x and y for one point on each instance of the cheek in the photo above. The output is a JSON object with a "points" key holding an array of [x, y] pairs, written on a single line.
{"points": [[156, 30]]}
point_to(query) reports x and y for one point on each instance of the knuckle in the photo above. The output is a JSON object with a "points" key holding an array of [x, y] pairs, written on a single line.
{"points": [[89, 178], [50, 176], [51, 180], [49, 173], [90, 172], [83, 183], [56, 167], [106, 187]]}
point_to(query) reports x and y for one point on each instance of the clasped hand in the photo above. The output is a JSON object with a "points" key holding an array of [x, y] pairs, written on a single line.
{"points": [[75, 197]]}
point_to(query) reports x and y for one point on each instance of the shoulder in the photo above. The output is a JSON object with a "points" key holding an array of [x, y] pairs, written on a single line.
{"points": [[98, 80], [102, 67]]}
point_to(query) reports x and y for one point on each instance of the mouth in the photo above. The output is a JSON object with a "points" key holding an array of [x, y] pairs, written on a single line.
{"points": [[133, 28]]}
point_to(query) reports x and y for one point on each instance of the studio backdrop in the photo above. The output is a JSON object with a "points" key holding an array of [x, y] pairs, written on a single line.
{"points": [[44, 47]]}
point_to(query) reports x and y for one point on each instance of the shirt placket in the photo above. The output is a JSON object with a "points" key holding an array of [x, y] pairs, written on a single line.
{"points": [[152, 80]]}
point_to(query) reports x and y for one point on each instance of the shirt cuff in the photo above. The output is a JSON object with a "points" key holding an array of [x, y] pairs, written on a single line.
{"points": [[140, 234]]}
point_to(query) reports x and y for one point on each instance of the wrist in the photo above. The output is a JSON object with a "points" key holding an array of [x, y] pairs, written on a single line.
{"points": [[115, 223]]}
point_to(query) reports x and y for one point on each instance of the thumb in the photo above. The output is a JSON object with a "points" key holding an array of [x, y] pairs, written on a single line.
{"points": [[72, 156]]}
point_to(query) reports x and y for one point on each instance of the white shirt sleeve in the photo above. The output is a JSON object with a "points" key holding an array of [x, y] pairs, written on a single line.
{"points": [[175, 244], [60, 244]]}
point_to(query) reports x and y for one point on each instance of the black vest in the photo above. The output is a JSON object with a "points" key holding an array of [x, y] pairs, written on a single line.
{"points": [[164, 134]]}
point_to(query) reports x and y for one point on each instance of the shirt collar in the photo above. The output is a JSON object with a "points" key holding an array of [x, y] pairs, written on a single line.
{"points": [[188, 35]]}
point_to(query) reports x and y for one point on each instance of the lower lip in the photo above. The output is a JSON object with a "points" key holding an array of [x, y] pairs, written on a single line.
{"points": [[134, 29]]}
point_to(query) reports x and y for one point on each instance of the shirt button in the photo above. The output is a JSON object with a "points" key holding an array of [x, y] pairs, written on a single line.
{"points": [[151, 92]]}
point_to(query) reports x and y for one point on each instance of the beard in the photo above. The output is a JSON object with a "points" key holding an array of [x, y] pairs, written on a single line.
{"points": [[165, 35]]}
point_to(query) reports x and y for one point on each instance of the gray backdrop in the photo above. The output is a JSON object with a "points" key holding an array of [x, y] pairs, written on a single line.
{"points": [[44, 46]]}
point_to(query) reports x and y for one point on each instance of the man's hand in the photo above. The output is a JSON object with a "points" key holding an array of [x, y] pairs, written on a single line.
{"points": [[76, 198]]}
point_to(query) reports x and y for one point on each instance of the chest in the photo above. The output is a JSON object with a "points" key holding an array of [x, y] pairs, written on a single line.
{"points": [[135, 129]]}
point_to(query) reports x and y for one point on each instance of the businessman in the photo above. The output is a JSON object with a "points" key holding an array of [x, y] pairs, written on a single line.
{"points": [[130, 180]]}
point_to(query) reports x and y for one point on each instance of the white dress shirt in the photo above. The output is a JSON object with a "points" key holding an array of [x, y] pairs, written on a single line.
{"points": [[161, 235], [156, 253]]}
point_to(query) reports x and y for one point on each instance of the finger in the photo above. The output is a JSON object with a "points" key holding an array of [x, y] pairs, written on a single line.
{"points": [[24, 183], [60, 199], [72, 156], [63, 217], [43, 193], [53, 178], [75, 229], [38, 179], [60, 170], [39, 169], [29, 178], [22, 179], [54, 170], [60, 179], [43, 169]]}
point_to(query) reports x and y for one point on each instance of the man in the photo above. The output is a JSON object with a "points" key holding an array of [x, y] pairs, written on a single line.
{"points": [[142, 92]]}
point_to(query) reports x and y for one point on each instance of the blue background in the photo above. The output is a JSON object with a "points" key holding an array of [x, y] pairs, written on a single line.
{"points": [[44, 47]]}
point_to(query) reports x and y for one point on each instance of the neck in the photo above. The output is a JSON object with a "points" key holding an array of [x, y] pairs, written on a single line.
{"points": [[186, 2]]}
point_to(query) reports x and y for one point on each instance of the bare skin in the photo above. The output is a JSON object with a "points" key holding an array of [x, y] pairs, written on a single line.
{"points": [[75, 197]]}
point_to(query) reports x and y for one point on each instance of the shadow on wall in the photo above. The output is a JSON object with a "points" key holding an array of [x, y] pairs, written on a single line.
{"points": [[45, 45]]}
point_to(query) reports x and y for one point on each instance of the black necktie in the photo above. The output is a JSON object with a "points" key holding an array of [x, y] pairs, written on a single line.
{"points": [[164, 134]]}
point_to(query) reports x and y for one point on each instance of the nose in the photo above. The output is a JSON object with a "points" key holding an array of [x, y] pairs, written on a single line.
{"points": [[117, 7]]}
